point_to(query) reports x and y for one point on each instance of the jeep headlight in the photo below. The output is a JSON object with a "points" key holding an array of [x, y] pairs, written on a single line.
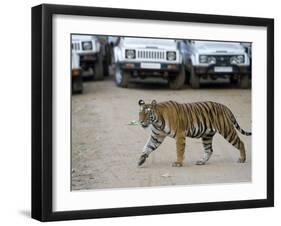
{"points": [[171, 55], [211, 60], [87, 45], [239, 59], [130, 53], [204, 59]]}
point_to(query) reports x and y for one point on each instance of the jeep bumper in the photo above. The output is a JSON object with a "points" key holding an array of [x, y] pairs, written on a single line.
{"points": [[90, 57], [222, 70], [150, 66]]}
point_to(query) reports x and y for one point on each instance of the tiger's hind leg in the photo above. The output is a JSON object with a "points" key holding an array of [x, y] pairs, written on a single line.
{"points": [[208, 150], [234, 139], [241, 148]]}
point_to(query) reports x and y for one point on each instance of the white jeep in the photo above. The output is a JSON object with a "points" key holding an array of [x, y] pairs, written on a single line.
{"points": [[209, 59], [147, 57], [89, 50]]}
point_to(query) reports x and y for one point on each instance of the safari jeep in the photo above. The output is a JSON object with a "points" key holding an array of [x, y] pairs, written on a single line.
{"points": [[145, 57], [89, 50], [217, 60]]}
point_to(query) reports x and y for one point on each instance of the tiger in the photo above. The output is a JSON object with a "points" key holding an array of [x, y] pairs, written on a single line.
{"points": [[196, 120]]}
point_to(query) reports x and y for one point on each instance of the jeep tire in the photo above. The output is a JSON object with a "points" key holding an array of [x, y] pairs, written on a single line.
{"points": [[121, 77], [244, 82], [98, 68], [234, 81], [194, 79], [106, 60], [77, 85], [178, 81]]}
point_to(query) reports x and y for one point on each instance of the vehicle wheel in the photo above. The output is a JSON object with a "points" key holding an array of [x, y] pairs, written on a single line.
{"points": [[121, 77], [234, 80], [106, 60], [105, 69], [178, 81], [187, 78], [194, 79], [98, 69], [77, 86], [244, 81], [80, 91]]}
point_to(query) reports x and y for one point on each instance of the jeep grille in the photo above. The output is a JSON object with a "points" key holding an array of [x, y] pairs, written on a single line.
{"points": [[151, 54], [75, 46], [222, 60]]}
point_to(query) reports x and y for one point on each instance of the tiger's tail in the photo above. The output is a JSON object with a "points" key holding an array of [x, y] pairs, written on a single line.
{"points": [[235, 123]]}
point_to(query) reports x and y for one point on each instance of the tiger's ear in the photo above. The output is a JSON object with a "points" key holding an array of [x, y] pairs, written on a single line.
{"points": [[153, 103], [141, 102]]}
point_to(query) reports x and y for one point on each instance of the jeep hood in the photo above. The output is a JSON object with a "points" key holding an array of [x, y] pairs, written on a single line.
{"points": [[218, 47], [149, 43]]}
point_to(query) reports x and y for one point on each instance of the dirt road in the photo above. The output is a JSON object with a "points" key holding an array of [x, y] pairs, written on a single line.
{"points": [[105, 148]]}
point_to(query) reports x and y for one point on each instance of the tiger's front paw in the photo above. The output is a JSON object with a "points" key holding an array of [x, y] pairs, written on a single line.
{"points": [[142, 159], [177, 164], [241, 160]]}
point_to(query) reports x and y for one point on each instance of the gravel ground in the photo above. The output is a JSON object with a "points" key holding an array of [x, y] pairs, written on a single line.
{"points": [[105, 148]]}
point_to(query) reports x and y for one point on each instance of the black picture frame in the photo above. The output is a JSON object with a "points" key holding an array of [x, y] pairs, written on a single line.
{"points": [[42, 107]]}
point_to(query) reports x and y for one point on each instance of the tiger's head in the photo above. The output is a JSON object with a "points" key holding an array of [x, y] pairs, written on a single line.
{"points": [[147, 113]]}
